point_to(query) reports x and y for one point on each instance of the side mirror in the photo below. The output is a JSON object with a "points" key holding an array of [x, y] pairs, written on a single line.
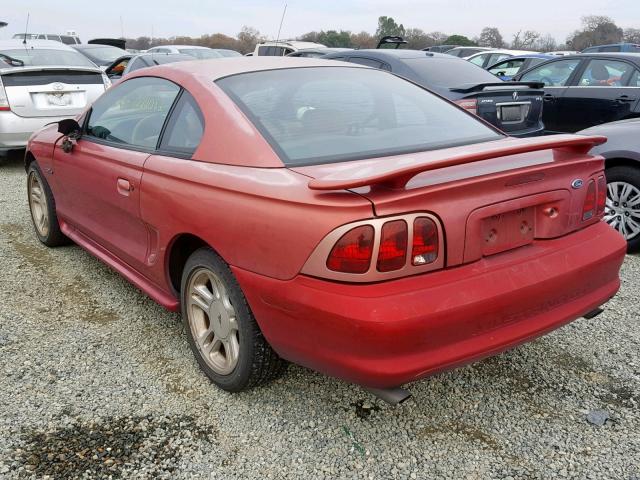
{"points": [[69, 126]]}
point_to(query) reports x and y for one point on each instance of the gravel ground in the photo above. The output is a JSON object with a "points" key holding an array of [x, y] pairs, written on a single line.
{"points": [[96, 380]]}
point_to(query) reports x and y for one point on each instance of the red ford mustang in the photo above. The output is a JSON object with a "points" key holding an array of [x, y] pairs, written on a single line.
{"points": [[328, 214]]}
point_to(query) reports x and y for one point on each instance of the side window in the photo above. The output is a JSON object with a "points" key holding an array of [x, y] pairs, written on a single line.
{"points": [[137, 64], [496, 57], [635, 79], [262, 50], [554, 74], [610, 48], [605, 73], [507, 68], [478, 60], [133, 112], [42, 36], [68, 40], [366, 61], [185, 127]]}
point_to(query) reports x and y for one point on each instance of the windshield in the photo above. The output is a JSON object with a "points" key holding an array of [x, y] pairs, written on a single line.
{"points": [[200, 53], [448, 72], [48, 56], [104, 55], [332, 114]]}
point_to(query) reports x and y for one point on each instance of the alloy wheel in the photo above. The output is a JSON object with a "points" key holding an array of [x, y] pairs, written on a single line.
{"points": [[38, 205], [212, 320], [623, 208]]}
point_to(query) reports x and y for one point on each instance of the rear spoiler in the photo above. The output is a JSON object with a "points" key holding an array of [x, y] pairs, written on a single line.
{"points": [[478, 87], [396, 173], [41, 68]]}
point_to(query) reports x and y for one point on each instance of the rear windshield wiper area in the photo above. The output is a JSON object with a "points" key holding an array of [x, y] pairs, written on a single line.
{"points": [[14, 62]]}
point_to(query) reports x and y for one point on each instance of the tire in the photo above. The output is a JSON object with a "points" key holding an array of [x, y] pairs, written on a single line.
{"points": [[226, 340], [620, 213], [42, 206]]}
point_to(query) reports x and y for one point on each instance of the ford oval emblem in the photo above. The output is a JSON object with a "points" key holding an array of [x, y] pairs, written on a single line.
{"points": [[577, 183]]}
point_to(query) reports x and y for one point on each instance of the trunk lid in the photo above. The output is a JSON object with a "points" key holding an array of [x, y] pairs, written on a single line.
{"points": [[489, 197], [515, 107], [51, 91]]}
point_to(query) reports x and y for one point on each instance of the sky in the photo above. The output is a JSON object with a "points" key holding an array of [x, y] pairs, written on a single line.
{"points": [[164, 18]]}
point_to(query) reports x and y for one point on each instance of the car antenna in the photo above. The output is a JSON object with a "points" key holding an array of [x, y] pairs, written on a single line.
{"points": [[26, 30], [281, 21]]}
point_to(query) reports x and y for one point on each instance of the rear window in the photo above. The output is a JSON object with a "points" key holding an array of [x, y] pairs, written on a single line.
{"points": [[23, 79], [448, 72], [333, 114], [48, 56]]}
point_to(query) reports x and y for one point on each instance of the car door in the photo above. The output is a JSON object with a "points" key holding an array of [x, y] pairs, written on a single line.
{"points": [[600, 94], [556, 76], [98, 181]]}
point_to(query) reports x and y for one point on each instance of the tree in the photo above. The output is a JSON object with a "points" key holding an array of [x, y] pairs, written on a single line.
{"points": [[332, 38], [525, 40], [438, 38], [546, 43], [388, 26], [417, 39], [490, 37], [309, 37], [459, 40], [632, 35], [363, 40], [596, 30], [248, 38]]}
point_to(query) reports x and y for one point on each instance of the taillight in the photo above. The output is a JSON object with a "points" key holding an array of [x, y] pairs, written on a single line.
{"points": [[602, 195], [4, 101], [425, 241], [589, 206], [471, 105], [352, 253], [392, 254]]}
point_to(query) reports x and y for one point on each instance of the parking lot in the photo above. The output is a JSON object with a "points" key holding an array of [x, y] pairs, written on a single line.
{"points": [[98, 380]]}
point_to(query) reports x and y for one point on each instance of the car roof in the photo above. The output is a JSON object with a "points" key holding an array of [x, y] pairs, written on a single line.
{"points": [[219, 68], [181, 46], [50, 44], [399, 53], [292, 43], [89, 46]]}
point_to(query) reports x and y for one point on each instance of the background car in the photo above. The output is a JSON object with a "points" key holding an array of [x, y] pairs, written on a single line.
{"points": [[488, 58], [132, 62], [614, 47], [464, 52], [42, 82], [282, 48], [68, 39], [226, 190], [587, 89], [509, 68], [622, 155], [101, 55], [225, 52], [201, 53], [316, 52], [516, 109], [440, 48]]}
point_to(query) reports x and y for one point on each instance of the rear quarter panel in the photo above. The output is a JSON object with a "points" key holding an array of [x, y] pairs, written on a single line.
{"points": [[265, 220]]}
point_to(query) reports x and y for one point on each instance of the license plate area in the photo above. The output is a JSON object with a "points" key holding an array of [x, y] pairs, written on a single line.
{"points": [[508, 230], [59, 99], [513, 112]]}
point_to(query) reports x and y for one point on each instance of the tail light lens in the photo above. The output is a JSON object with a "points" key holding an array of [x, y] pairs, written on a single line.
{"points": [[352, 253], [589, 206], [425, 241], [4, 101], [392, 254], [602, 195], [470, 105]]}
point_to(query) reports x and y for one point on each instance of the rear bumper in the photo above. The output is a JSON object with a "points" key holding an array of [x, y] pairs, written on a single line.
{"points": [[15, 130], [390, 333]]}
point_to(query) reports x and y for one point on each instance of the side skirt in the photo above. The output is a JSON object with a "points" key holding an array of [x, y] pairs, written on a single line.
{"points": [[165, 299]]}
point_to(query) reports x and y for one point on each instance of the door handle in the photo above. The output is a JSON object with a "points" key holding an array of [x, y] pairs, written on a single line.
{"points": [[625, 98], [547, 97], [124, 187]]}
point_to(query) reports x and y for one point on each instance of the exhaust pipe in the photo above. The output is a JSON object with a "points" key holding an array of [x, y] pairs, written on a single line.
{"points": [[393, 396], [593, 313]]}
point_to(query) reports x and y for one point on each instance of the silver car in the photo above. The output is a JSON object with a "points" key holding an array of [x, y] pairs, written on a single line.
{"points": [[42, 81]]}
